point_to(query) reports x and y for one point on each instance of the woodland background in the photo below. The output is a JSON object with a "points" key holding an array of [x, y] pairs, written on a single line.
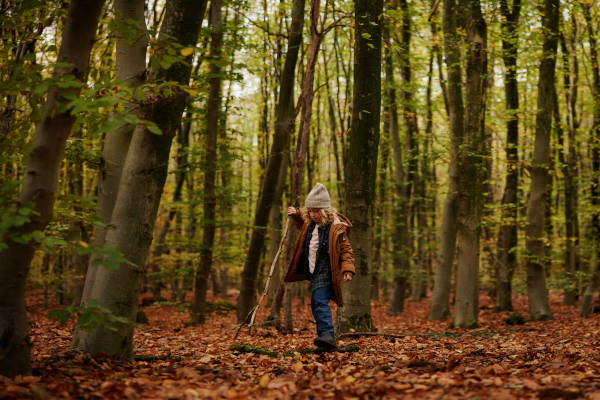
{"points": [[148, 151]]}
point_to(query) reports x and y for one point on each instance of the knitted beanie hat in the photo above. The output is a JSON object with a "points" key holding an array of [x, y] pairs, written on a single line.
{"points": [[318, 197]]}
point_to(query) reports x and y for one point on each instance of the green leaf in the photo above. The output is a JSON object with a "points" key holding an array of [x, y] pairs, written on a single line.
{"points": [[61, 315], [153, 128]]}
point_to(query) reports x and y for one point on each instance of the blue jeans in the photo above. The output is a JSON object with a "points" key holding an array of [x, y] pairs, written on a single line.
{"points": [[319, 302]]}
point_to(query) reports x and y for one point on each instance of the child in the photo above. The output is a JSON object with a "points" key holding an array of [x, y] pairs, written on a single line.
{"points": [[322, 255]]}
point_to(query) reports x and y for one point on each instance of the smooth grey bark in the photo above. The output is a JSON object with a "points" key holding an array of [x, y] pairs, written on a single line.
{"points": [[472, 152], [140, 189], [507, 234], [569, 163], [198, 312], [306, 101], [284, 125], [419, 283], [409, 113], [464, 202], [440, 297], [130, 68], [399, 220], [39, 186], [586, 301], [537, 292], [360, 162]]}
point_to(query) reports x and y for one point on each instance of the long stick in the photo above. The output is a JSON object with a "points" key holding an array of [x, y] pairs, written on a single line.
{"points": [[252, 314]]}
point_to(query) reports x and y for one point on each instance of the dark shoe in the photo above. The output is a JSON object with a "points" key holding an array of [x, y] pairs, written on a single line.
{"points": [[326, 341]]}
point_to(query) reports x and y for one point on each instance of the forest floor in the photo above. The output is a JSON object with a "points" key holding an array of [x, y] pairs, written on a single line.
{"points": [[558, 359]]}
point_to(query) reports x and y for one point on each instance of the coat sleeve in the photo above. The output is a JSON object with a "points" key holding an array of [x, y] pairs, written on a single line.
{"points": [[298, 219], [346, 254]]}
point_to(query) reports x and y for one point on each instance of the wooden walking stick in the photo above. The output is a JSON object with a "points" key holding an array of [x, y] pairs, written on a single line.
{"points": [[252, 314]]}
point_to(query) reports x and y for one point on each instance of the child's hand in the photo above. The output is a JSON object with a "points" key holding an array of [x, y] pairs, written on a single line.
{"points": [[292, 211], [348, 276]]}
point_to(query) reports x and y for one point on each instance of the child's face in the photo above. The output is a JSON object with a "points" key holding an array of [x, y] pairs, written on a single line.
{"points": [[314, 214]]}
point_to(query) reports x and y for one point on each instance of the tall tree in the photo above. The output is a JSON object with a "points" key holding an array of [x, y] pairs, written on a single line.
{"points": [[40, 182], [440, 297], [269, 190], [361, 161], [586, 301], [464, 202], [306, 98], [570, 67], [400, 220], [213, 113], [419, 284], [130, 68], [471, 165], [409, 113], [507, 234], [141, 186], [537, 291]]}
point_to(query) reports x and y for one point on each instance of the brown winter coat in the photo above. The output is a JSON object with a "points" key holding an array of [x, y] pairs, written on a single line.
{"points": [[341, 257]]}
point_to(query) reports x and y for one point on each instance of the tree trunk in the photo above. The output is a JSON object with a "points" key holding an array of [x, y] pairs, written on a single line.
{"points": [[419, 284], [130, 68], [571, 81], [279, 149], [507, 235], [306, 101], [40, 183], [140, 189], [402, 278], [440, 298], [471, 150], [400, 220], [212, 126], [360, 164], [537, 292], [586, 301]]}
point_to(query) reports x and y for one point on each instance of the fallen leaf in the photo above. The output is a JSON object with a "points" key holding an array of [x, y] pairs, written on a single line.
{"points": [[264, 380]]}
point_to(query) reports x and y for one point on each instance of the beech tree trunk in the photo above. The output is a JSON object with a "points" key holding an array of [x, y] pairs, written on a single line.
{"points": [[306, 101], [471, 150], [400, 220], [140, 189], [269, 191], [507, 235], [40, 182], [419, 283], [440, 297], [130, 68], [361, 161], [198, 312], [537, 291], [404, 184], [569, 164], [464, 203], [586, 301]]}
